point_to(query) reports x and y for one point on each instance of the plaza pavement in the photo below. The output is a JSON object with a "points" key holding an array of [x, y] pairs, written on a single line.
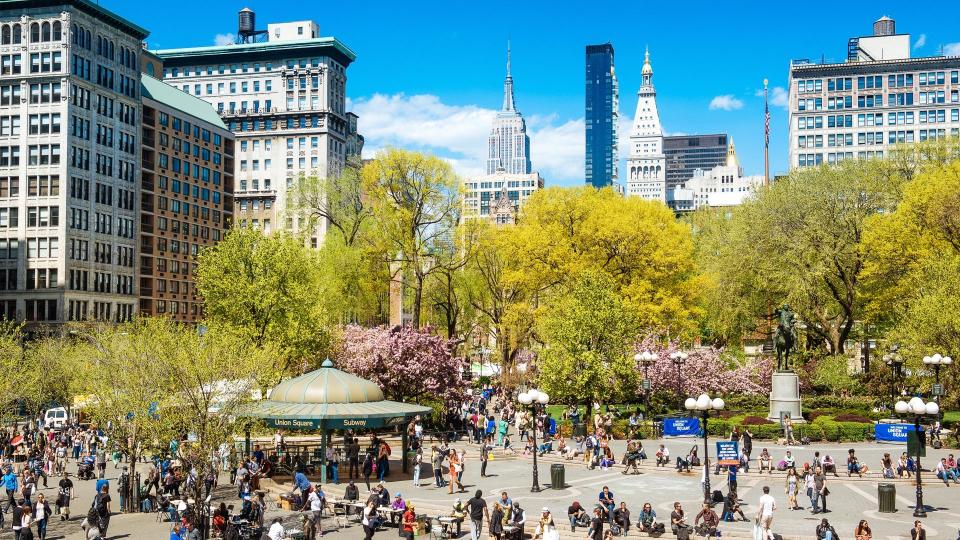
{"points": [[851, 499]]}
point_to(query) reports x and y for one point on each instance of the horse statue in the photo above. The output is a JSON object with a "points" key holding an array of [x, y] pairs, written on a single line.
{"points": [[784, 337]]}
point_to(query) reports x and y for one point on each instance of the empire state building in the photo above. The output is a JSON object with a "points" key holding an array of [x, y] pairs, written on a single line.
{"points": [[508, 145]]}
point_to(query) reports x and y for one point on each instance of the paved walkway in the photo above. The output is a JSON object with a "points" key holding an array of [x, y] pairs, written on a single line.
{"points": [[852, 499]]}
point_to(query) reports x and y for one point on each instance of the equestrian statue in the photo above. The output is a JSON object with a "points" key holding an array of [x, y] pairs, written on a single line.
{"points": [[784, 337]]}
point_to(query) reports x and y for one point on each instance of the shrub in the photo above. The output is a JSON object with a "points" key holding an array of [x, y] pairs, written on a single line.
{"points": [[755, 421], [852, 417]]}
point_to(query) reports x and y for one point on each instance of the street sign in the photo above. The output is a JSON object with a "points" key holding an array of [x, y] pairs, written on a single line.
{"points": [[727, 453], [937, 390]]}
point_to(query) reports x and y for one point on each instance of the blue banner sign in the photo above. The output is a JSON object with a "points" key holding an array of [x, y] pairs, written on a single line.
{"points": [[892, 432], [728, 453], [682, 426]]}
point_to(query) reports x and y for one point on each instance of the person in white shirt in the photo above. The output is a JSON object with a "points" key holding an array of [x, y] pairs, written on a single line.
{"points": [[369, 516], [767, 505], [276, 532], [315, 499]]}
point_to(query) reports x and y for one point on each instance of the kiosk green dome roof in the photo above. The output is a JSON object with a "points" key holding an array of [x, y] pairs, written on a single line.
{"points": [[326, 385]]}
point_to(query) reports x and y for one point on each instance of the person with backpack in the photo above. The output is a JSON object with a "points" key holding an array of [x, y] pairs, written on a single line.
{"points": [[100, 510], [42, 515]]}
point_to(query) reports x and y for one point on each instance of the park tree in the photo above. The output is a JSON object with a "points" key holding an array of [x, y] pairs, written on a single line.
{"points": [[588, 331], [156, 381], [416, 208], [408, 364], [501, 298], [564, 233], [798, 243], [265, 287], [337, 200], [912, 264]]}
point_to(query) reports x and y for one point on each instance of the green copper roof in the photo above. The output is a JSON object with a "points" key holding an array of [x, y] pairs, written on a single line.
{"points": [[91, 8], [328, 46], [164, 93]]}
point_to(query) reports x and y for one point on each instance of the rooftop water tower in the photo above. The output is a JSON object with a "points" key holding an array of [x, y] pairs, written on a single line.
{"points": [[884, 26], [247, 27]]}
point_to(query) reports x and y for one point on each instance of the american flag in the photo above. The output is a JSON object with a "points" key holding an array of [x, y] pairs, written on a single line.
{"points": [[766, 124]]}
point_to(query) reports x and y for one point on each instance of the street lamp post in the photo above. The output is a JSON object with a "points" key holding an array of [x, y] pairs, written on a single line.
{"points": [[936, 361], [895, 362], [537, 401], [646, 359], [704, 405], [678, 358], [918, 408]]}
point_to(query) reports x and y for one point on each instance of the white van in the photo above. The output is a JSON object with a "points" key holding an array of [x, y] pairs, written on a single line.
{"points": [[55, 418]]}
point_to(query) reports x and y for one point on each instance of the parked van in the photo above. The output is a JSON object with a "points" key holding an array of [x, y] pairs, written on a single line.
{"points": [[55, 418]]}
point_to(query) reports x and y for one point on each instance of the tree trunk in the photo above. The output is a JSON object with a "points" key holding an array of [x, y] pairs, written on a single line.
{"points": [[417, 301]]}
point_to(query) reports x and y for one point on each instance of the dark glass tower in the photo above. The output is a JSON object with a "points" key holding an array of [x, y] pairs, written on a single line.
{"points": [[602, 106]]}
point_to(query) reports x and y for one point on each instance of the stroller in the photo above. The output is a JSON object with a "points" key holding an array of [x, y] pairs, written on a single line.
{"points": [[85, 468]]}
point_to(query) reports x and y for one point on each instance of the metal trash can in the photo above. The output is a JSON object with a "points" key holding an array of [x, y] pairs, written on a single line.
{"points": [[887, 496], [558, 476], [579, 429]]}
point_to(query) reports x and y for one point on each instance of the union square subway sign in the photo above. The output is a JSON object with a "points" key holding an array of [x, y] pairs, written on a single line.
{"points": [[313, 424]]}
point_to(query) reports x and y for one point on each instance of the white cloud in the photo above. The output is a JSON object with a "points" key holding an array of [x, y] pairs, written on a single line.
{"points": [[778, 96], [458, 133], [951, 49], [224, 39], [921, 41], [725, 103]]}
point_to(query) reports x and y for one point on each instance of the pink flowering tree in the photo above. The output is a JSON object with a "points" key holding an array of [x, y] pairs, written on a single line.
{"points": [[705, 370], [407, 364]]}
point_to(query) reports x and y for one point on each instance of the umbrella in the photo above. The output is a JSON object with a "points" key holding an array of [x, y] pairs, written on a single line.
{"points": [[16, 440]]}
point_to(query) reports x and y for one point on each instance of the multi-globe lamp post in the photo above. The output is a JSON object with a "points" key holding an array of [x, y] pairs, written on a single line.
{"points": [[537, 401], [704, 404], [918, 408], [895, 362], [679, 358], [646, 359], [937, 360]]}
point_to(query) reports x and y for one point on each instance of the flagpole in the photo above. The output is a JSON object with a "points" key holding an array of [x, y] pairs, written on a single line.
{"points": [[766, 135]]}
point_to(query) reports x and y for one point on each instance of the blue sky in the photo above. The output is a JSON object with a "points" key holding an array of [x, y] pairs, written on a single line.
{"points": [[429, 75]]}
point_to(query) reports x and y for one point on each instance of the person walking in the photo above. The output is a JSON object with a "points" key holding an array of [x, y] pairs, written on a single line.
{"points": [[101, 504], [42, 514], [65, 494], [369, 519], [497, 517], [793, 485], [10, 484], [767, 505], [820, 491], [477, 510], [436, 459], [595, 532]]}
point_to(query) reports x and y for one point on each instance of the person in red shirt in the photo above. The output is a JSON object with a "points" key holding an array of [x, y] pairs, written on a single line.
{"points": [[409, 522]]}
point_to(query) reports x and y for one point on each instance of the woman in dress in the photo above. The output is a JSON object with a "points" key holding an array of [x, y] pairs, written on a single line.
{"points": [[793, 482], [546, 529]]}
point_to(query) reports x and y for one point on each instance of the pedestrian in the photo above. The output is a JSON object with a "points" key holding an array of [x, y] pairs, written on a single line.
{"points": [[10, 484], [747, 439], [369, 464], [595, 532], [353, 456], [64, 494], [793, 482], [101, 505], [497, 517], [454, 471], [820, 491], [316, 501], [369, 519], [42, 514], [485, 450], [417, 463], [767, 505], [16, 519], [477, 510]]}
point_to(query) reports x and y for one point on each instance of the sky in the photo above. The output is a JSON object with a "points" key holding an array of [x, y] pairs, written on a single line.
{"points": [[429, 74]]}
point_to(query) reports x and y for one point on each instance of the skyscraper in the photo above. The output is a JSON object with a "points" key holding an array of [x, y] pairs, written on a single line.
{"points": [[646, 163], [508, 145], [602, 117]]}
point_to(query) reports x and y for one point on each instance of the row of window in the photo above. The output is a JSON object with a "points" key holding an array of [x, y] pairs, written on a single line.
{"points": [[188, 129], [899, 80], [78, 310], [37, 216], [872, 138], [193, 229], [302, 122], [178, 166], [38, 186], [876, 100], [221, 69]]}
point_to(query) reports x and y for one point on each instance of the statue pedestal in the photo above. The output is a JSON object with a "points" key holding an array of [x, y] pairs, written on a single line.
{"points": [[785, 396]]}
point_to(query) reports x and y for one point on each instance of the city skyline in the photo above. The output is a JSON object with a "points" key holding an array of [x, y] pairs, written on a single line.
{"points": [[708, 81]]}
